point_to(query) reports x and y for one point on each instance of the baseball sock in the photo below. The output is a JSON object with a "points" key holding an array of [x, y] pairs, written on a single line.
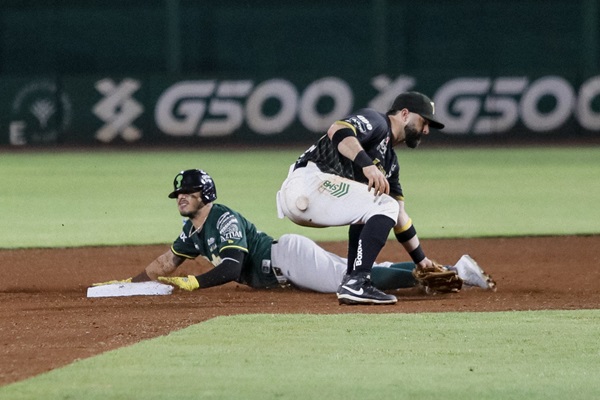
{"points": [[353, 237], [396, 276], [372, 239]]}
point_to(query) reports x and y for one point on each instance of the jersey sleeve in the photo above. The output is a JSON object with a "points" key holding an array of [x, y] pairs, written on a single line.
{"points": [[369, 126]]}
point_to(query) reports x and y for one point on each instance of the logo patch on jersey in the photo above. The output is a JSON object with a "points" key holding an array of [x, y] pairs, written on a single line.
{"points": [[336, 189], [360, 123], [229, 227], [383, 145]]}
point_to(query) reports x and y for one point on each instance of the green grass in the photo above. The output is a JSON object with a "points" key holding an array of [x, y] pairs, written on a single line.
{"points": [[115, 198], [66, 198], [504, 192], [509, 355]]}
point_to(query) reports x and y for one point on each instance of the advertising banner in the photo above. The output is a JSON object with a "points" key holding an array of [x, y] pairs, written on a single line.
{"points": [[161, 110]]}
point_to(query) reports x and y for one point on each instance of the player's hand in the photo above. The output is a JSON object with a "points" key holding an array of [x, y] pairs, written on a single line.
{"points": [[188, 283], [426, 263], [128, 280], [377, 180]]}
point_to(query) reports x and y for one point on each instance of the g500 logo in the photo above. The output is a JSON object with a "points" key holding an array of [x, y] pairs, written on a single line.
{"points": [[118, 109], [217, 108], [485, 105]]}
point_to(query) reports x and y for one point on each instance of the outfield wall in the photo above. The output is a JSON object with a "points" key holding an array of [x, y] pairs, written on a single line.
{"points": [[187, 72]]}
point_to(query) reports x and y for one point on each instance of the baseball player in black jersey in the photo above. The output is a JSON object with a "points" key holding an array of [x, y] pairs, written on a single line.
{"points": [[351, 177]]}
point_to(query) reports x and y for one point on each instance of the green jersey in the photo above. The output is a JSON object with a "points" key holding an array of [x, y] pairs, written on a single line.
{"points": [[225, 228]]}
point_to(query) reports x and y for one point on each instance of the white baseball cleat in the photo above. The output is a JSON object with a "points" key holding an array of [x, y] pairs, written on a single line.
{"points": [[472, 274]]}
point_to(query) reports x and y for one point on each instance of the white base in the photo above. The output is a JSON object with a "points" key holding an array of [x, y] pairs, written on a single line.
{"points": [[130, 289]]}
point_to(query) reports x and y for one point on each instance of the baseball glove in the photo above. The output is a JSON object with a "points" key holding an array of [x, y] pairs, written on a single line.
{"points": [[437, 279]]}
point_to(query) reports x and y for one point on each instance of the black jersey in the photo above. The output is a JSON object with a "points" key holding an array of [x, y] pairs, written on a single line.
{"points": [[374, 133]]}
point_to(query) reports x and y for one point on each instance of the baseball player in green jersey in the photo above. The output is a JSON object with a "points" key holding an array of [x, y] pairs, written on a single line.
{"points": [[242, 253]]}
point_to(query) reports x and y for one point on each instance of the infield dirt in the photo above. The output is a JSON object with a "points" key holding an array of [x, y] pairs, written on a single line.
{"points": [[46, 321]]}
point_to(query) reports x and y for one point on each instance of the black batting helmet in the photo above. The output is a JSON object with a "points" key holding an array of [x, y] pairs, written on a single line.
{"points": [[194, 180]]}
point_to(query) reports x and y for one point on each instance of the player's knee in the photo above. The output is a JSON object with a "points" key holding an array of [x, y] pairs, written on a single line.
{"points": [[387, 207], [390, 208]]}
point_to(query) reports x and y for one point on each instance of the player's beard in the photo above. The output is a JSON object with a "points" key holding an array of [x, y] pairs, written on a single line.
{"points": [[191, 208], [412, 137], [188, 214], [191, 214]]}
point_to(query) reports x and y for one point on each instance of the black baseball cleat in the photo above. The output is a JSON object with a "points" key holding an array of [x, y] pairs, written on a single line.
{"points": [[358, 289]]}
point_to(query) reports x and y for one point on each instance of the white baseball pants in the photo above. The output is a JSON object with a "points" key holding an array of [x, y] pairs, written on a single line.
{"points": [[309, 197]]}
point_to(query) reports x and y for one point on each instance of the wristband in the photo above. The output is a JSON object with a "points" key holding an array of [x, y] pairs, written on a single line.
{"points": [[417, 254], [362, 159]]}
